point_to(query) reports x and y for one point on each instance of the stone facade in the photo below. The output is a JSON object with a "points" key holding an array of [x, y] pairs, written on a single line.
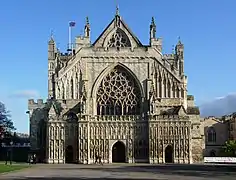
{"points": [[216, 133], [231, 122], [117, 99]]}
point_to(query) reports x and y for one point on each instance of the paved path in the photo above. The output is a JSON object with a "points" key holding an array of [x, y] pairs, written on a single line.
{"points": [[126, 171]]}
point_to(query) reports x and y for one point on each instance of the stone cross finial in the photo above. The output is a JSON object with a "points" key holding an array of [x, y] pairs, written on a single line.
{"points": [[153, 21], [117, 9], [51, 35], [179, 40], [87, 20]]}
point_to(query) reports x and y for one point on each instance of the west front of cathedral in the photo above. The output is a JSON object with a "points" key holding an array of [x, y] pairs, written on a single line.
{"points": [[118, 99]]}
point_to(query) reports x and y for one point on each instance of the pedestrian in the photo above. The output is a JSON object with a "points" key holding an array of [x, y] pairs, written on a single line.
{"points": [[96, 158], [34, 158], [31, 159], [100, 160], [7, 157]]}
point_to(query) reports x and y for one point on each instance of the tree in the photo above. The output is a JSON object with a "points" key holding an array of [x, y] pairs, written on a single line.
{"points": [[229, 149], [6, 124]]}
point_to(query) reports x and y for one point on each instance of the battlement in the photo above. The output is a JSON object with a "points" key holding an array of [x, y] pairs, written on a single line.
{"points": [[168, 56], [64, 54], [190, 97], [81, 41], [168, 117], [80, 37], [39, 102]]}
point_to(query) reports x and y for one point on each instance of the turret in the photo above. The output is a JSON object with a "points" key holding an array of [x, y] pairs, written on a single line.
{"points": [[179, 51], [153, 41], [87, 29], [51, 66], [83, 40], [153, 29]]}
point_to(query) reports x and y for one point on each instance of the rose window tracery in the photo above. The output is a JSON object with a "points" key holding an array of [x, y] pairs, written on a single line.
{"points": [[119, 39], [118, 94]]}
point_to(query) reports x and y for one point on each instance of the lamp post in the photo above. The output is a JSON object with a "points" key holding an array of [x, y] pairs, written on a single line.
{"points": [[11, 152]]}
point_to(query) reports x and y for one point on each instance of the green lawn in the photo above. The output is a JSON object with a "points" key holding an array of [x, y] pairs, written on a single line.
{"points": [[7, 168]]}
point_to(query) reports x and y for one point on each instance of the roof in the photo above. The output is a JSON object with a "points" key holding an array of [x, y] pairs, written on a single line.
{"points": [[112, 25]]}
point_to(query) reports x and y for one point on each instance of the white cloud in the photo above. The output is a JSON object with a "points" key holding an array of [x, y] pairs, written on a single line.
{"points": [[24, 94], [219, 106], [230, 94]]}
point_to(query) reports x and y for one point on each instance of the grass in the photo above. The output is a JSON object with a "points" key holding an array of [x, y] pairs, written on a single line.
{"points": [[8, 168]]}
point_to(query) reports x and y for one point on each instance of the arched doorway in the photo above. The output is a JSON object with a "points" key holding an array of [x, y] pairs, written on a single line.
{"points": [[69, 154], [118, 152], [169, 154]]}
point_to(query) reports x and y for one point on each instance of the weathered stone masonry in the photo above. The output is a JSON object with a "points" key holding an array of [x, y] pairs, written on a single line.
{"points": [[118, 99]]}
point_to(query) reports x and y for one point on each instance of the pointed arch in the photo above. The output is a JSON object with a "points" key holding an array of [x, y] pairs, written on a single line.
{"points": [[67, 89], [174, 90], [58, 90], [118, 92], [76, 86], [169, 88], [119, 39], [211, 135], [71, 88], [62, 90]]}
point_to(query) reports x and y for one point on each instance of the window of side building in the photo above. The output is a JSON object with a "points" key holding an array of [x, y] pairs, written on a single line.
{"points": [[211, 135]]}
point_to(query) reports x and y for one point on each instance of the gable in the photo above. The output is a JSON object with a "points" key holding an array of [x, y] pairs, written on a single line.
{"points": [[212, 120], [52, 111], [117, 34], [182, 111]]}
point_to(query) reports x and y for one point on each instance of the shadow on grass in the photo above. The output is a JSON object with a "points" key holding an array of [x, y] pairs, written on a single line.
{"points": [[170, 170], [14, 167], [212, 171], [82, 178]]}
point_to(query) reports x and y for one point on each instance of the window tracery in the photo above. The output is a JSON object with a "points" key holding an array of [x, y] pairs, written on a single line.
{"points": [[119, 39], [211, 135], [118, 94]]}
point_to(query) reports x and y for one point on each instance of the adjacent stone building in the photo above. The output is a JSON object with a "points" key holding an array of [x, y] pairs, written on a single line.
{"points": [[119, 99], [231, 119], [217, 133]]}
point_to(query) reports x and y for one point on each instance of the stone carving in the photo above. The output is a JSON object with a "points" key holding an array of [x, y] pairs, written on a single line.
{"points": [[118, 87], [62, 133], [51, 148], [119, 39], [108, 90], [62, 149]]}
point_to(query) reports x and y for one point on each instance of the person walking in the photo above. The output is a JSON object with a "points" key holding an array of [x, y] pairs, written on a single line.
{"points": [[7, 157], [100, 160]]}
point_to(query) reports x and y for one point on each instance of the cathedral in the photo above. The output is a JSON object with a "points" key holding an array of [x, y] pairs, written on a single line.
{"points": [[118, 99]]}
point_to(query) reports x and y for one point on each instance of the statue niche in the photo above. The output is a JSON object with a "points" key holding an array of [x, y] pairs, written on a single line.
{"points": [[118, 94]]}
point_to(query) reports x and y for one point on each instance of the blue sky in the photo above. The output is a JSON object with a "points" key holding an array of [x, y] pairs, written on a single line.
{"points": [[207, 28]]}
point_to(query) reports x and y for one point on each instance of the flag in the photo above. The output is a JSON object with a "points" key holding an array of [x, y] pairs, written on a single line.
{"points": [[72, 24]]}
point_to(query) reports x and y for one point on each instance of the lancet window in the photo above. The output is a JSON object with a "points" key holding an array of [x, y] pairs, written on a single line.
{"points": [[118, 94], [211, 133], [119, 39], [72, 88]]}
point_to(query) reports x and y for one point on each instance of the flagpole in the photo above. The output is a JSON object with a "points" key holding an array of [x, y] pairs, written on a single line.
{"points": [[69, 45]]}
